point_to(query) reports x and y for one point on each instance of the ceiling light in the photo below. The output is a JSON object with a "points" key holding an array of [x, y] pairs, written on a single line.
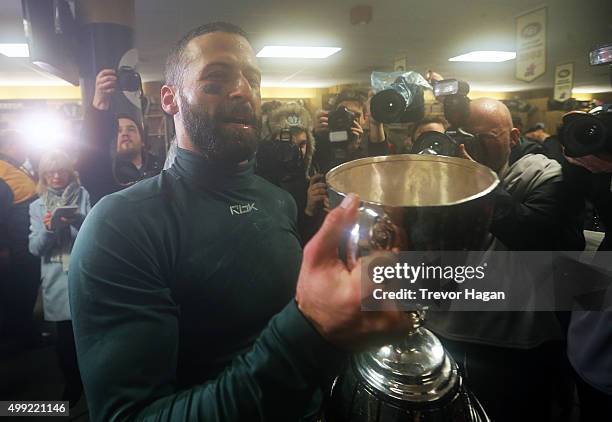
{"points": [[14, 50], [484, 56], [295, 52], [595, 89]]}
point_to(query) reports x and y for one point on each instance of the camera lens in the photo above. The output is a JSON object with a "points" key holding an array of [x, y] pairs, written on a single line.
{"points": [[584, 135], [388, 106], [435, 143]]}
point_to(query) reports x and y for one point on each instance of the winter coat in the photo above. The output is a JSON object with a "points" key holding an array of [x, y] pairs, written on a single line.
{"points": [[54, 275]]}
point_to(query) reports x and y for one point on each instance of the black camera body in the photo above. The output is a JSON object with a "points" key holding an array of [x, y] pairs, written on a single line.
{"points": [[128, 79], [402, 102], [340, 121], [455, 100], [587, 133], [437, 143], [279, 160], [456, 111]]}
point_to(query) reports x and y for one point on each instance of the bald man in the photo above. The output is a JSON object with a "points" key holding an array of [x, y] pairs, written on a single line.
{"points": [[514, 361], [533, 210]]}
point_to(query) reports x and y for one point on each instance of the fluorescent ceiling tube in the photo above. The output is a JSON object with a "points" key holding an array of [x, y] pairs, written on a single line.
{"points": [[485, 56], [296, 52], [14, 50]]}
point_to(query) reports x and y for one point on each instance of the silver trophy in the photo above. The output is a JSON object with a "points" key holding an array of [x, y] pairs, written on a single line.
{"points": [[410, 203]]}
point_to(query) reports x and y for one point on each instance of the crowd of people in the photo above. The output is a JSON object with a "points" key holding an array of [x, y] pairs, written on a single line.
{"points": [[213, 290]]}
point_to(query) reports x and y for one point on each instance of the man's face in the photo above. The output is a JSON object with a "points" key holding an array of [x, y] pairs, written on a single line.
{"points": [[357, 108], [220, 99], [493, 135], [429, 127], [129, 141]]}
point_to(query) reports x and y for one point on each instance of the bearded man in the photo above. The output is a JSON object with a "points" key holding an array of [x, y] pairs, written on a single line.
{"points": [[183, 286]]}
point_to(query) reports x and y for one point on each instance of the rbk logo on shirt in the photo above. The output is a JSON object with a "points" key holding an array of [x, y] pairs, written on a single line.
{"points": [[242, 209]]}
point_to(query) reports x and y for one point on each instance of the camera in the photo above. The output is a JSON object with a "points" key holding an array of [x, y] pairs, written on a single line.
{"points": [[454, 99], [280, 161], [436, 143], [587, 133], [340, 122], [128, 79], [456, 111], [402, 102]]}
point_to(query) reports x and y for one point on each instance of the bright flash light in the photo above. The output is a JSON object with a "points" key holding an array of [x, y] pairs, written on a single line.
{"points": [[485, 56], [44, 130], [297, 52], [15, 50]]}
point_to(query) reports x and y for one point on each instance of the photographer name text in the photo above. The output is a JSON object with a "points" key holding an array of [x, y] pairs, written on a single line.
{"points": [[426, 294]]}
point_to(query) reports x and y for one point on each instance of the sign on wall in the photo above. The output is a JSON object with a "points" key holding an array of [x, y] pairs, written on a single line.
{"points": [[531, 45], [564, 81]]}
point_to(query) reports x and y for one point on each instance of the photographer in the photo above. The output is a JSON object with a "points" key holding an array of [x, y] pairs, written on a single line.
{"points": [[587, 169], [364, 136], [285, 159], [429, 124], [533, 211], [105, 169], [347, 133]]}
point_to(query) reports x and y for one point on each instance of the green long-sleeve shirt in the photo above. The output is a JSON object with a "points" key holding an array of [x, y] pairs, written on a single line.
{"points": [[172, 283]]}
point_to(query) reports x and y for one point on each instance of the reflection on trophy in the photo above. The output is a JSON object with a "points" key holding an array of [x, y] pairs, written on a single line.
{"points": [[410, 203]]}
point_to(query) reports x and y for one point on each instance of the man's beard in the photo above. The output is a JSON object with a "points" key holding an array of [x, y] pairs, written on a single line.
{"points": [[219, 144], [129, 153]]}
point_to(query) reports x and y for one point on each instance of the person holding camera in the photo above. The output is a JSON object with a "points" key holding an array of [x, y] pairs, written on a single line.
{"points": [[532, 212], [105, 171], [285, 159], [348, 132], [428, 124], [52, 235]]}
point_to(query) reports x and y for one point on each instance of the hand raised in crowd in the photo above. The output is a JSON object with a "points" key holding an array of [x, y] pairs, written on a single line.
{"points": [[321, 123], [317, 193], [329, 293], [357, 130], [106, 85]]}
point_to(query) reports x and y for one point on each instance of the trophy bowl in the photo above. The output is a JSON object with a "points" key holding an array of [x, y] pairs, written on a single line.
{"points": [[410, 203]]}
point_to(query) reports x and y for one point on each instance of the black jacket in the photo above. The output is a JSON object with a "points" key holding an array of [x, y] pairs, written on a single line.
{"points": [[548, 219]]}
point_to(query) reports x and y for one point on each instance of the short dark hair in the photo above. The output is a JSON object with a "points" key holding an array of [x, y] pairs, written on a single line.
{"points": [[175, 62], [351, 95], [429, 120]]}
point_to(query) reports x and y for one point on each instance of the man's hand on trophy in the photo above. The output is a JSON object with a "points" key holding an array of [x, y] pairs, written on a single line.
{"points": [[329, 292]]}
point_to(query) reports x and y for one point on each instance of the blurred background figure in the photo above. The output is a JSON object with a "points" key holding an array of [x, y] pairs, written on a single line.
{"points": [[133, 162], [128, 161], [285, 159], [537, 133], [19, 270], [429, 124], [52, 234]]}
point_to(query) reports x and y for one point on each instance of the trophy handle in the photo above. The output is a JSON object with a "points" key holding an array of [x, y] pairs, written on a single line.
{"points": [[374, 231]]}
